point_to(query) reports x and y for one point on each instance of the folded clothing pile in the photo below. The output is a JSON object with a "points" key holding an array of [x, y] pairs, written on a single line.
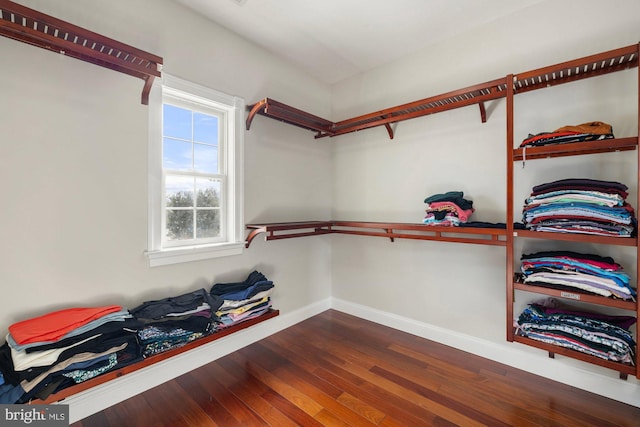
{"points": [[583, 206], [599, 335], [447, 209], [568, 270], [175, 321], [45, 354], [592, 131], [243, 300]]}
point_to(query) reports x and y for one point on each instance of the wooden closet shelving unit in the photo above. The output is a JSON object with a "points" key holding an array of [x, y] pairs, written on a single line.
{"points": [[30, 26], [587, 67], [513, 84]]}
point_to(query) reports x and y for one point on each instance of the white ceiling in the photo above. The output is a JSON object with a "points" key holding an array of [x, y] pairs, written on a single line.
{"points": [[336, 39]]}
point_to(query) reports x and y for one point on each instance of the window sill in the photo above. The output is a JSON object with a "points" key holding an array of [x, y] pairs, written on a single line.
{"points": [[193, 253]]}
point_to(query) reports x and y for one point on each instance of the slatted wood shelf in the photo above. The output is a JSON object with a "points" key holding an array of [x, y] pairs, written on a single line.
{"points": [[565, 72], [477, 94], [30, 26], [151, 360], [575, 295], [575, 149], [389, 230], [623, 368], [589, 66], [574, 237]]}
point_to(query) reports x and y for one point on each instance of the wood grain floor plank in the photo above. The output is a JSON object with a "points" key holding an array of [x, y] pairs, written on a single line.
{"points": [[334, 369], [282, 388]]}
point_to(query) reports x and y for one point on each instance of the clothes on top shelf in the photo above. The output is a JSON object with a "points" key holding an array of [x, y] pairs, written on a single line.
{"points": [[243, 300], [604, 336], [447, 209], [592, 131], [40, 352], [583, 206], [576, 271]]}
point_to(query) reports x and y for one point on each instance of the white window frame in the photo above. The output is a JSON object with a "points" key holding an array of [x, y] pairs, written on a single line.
{"points": [[232, 108]]}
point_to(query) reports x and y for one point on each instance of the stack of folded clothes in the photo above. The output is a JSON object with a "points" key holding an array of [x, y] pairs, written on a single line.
{"points": [[45, 354], [572, 271], [173, 322], [604, 336], [243, 300], [592, 131], [447, 209], [584, 206]]}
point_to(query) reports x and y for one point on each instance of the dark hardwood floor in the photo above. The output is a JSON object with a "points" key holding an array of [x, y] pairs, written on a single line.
{"points": [[339, 370]]}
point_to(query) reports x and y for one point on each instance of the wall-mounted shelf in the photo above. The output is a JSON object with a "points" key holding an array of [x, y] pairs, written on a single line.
{"points": [[575, 149], [575, 295], [151, 360], [389, 230], [578, 69], [471, 95], [575, 237], [29, 26], [590, 66], [552, 350]]}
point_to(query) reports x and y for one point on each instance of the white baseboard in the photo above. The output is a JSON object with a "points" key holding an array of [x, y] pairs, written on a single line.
{"points": [[511, 354], [96, 399]]}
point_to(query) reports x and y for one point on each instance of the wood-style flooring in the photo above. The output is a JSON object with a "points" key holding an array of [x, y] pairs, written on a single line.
{"points": [[338, 370]]}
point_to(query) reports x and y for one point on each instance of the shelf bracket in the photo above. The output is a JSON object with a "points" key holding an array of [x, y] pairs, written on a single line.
{"points": [[388, 125], [483, 112], [389, 231], [257, 107]]}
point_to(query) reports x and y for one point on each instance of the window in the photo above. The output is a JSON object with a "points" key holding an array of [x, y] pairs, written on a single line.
{"points": [[195, 158]]}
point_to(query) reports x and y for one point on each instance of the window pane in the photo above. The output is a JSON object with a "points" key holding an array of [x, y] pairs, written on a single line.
{"points": [[205, 128], [205, 158], [179, 224], [179, 191], [208, 193], [177, 155], [208, 223], [176, 122]]}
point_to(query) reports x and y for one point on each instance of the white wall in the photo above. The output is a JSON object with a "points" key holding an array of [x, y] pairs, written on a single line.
{"points": [[73, 153], [73, 162], [461, 288]]}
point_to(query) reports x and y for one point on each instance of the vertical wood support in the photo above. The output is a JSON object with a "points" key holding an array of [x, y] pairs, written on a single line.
{"points": [[638, 202], [509, 220]]}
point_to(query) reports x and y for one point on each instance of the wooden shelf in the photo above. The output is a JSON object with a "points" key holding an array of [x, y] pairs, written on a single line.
{"points": [[575, 148], [565, 72], [576, 295], [574, 237], [477, 94], [151, 360], [29, 26], [577, 69], [623, 368], [389, 230]]}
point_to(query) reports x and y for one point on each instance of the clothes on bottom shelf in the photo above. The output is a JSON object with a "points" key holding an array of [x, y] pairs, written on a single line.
{"points": [[576, 271], [39, 353], [592, 131], [603, 336], [583, 206], [46, 354], [447, 209], [243, 300]]}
